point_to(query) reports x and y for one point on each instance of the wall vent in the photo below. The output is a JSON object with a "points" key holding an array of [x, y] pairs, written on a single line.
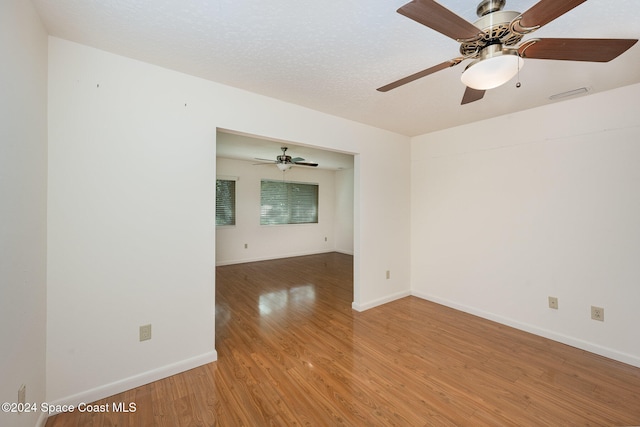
{"points": [[567, 94]]}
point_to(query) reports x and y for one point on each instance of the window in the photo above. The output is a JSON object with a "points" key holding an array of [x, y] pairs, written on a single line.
{"points": [[288, 203], [225, 202]]}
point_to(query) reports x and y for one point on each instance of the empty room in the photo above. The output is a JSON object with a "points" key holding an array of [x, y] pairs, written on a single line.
{"points": [[341, 213]]}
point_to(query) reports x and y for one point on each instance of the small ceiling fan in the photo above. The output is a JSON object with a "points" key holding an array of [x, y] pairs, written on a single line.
{"points": [[285, 162], [492, 41]]}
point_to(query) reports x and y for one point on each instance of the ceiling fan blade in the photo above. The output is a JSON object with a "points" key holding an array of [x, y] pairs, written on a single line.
{"points": [[441, 19], [306, 164], [297, 159], [592, 50], [420, 74], [265, 160], [544, 12], [471, 95]]}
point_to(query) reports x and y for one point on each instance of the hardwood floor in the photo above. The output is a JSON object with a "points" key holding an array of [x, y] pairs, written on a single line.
{"points": [[291, 351]]}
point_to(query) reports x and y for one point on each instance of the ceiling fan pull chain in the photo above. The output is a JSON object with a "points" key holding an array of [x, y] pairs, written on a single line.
{"points": [[518, 83]]}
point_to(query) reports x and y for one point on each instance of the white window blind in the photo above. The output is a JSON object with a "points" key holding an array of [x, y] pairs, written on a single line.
{"points": [[288, 203], [225, 202]]}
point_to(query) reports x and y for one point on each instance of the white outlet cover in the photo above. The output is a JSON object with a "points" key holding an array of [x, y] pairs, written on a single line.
{"points": [[597, 313], [145, 332]]}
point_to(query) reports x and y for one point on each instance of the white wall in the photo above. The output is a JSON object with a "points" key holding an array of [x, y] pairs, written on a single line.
{"points": [[131, 213], [343, 221], [509, 211], [280, 241], [23, 196]]}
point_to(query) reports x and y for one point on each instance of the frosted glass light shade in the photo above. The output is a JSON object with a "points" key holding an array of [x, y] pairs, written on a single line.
{"points": [[493, 71], [283, 166]]}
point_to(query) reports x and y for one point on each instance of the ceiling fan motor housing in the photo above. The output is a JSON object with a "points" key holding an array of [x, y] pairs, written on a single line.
{"points": [[283, 158], [497, 28]]}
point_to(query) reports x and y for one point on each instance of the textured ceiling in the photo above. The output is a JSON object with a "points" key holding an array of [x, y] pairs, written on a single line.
{"points": [[332, 55]]}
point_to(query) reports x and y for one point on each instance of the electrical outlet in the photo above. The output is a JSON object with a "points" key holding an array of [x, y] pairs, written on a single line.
{"points": [[145, 332], [553, 303], [22, 394], [597, 313]]}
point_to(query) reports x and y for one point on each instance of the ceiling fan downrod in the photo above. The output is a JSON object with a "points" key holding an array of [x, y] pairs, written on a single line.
{"points": [[489, 6]]}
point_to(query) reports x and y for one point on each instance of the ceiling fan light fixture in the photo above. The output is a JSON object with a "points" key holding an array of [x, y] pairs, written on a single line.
{"points": [[496, 67], [284, 166]]}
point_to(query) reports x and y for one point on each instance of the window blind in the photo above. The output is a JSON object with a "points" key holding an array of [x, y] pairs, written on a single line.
{"points": [[288, 203], [225, 202]]}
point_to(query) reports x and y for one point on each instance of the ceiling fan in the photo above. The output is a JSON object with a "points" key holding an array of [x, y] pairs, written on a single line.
{"points": [[492, 41], [285, 162]]}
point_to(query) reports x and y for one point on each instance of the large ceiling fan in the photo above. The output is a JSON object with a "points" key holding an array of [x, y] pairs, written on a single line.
{"points": [[494, 42], [285, 162]]}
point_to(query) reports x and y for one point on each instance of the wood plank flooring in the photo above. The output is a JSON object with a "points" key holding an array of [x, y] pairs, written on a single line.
{"points": [[292, 352]]}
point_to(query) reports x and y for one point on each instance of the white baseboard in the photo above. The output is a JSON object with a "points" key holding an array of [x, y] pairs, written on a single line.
{"points": [[380, 301], [129, 383], [271, 257], [42, 419], [564, 339], [346, 252]]}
